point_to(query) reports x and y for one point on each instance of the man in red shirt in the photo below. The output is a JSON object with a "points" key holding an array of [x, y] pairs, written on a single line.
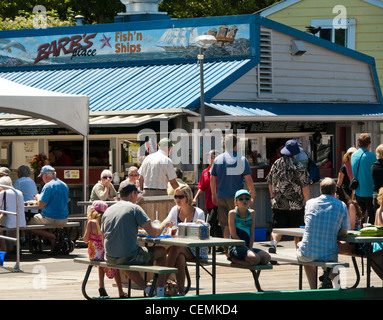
{"points": [[204, 186], [62, 159]]}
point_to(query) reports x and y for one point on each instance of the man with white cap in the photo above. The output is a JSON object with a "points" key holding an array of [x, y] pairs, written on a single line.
{"points": [[4, 171], [53, 202], [157, 170], [289, 190]]}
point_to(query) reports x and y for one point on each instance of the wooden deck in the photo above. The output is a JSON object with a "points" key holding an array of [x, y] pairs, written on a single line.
{"points": [[59, 278]]}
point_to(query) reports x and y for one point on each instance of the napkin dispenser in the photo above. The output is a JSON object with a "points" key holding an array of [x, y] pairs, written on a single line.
{"points": [[194, 230]]}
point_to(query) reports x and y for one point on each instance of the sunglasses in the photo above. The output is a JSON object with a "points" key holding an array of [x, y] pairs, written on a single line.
{"points": [[243, 199], [107, 177], [133, 175], [181, 196]]}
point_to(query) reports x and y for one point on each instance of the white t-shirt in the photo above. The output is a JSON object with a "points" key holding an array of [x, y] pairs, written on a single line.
{"points": [[157, 169], [172, 216], [11, 206], [198, 214]]}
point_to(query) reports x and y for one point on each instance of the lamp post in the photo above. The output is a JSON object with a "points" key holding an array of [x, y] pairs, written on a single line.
{"points": [[203, 41]]}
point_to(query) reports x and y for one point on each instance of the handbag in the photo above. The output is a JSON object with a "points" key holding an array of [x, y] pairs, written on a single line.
{"points": [[3, 216], [354, 184]]}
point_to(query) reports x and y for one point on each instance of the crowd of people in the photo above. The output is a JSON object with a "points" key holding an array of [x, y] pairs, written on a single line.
{"points": [[228, 211], [355, 199], [52, 200], [227, 185]]}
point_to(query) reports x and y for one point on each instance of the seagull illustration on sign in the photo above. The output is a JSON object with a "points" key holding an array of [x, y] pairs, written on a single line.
{"points": [[8, 44], [105, 41]]}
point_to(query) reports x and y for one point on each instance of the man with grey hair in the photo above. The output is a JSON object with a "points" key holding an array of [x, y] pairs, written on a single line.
{"points": [[326, 218], [25, 184], [157, 171], [53, 202]]}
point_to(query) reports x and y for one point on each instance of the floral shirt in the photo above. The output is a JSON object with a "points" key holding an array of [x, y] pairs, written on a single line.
{"points": [[287, 177]]}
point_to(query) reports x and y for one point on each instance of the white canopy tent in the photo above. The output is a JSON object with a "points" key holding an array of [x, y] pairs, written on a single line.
{"points": [[70, 111]]}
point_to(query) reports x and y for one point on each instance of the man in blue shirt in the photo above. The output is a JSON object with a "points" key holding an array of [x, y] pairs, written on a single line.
{"points": [[227, 174], [53, 203], [25, 184], [362, 172], [326, 218]]}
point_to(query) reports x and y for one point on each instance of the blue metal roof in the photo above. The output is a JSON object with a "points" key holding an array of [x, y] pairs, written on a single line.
{"points": [[151, 87], [282, 109]]}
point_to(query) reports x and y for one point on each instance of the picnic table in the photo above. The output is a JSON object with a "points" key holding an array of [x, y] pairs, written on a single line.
{"points": [[298, 232], [212, 242]]}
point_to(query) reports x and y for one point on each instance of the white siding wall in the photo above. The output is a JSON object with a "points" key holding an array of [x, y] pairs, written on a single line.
{"points": [[319, 75], [244, 89]]}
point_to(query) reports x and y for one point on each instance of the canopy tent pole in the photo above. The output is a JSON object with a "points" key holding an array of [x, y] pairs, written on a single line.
{"points": [[85, 170]]}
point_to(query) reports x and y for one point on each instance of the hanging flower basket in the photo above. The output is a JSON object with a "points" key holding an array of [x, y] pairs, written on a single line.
{"points": [[37, 163]]}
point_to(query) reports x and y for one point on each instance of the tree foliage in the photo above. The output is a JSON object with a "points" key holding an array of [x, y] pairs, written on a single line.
{"points": [[18, 14], [206, 8], [27, 20]]}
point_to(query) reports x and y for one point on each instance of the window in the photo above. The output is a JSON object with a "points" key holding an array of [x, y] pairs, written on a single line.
{"points": [[343, 35]]}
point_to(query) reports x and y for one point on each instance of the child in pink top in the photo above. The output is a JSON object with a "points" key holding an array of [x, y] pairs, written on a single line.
{"points": [[94, 237]]}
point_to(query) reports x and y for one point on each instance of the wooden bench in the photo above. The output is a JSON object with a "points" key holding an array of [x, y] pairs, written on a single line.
{"points": [[42, 226], [65, 246], [223, 262], [156, 270], [327, 266]]}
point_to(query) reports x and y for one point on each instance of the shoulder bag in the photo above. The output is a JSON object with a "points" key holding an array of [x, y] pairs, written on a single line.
{"points": [[354, 184]]}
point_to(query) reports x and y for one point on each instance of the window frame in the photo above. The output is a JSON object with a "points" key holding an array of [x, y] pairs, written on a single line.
{"points": [[328, 24]]}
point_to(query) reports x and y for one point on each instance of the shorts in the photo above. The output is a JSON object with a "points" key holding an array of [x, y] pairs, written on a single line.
{"points": [[224, 206], [40, 219], [240, 253], [302, 258], [288, 218], [144, 256]]}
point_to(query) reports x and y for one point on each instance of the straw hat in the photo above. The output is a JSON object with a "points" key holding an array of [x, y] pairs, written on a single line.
{"points": [[349, 152]]}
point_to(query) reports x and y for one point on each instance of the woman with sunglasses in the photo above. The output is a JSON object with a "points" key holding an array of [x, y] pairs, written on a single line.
{"points": [[104, 189], [241, 226], [134, 177], [181, 212]]}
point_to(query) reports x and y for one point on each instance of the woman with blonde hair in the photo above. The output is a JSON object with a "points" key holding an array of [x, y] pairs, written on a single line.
{"points": [[181, 212], [345, 172]]}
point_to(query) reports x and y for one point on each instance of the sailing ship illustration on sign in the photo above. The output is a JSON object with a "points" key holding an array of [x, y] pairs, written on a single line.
{"points": [[178, 39], [182, 39]]}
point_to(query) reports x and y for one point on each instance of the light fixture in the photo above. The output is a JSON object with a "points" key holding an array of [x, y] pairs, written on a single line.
{"points": [[297, 48]]}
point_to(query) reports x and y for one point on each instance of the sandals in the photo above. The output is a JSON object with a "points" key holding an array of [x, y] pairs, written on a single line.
{"points": [[102, 292]]}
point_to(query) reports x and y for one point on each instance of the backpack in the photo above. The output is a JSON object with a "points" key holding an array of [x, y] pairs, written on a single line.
{"points": [[313, 170]]}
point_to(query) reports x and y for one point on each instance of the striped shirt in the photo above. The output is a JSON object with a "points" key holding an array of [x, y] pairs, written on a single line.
{"points": [[324, 217]]}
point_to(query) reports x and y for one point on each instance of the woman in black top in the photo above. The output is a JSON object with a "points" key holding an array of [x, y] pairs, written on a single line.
{"points": [[345, 172]]}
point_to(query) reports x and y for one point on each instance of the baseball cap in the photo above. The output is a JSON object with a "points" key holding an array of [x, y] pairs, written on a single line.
{"points": [[99, 205], [46, 168], [5, 171], [291, 148], [165, 142], [241, 192], [128, 187]]}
